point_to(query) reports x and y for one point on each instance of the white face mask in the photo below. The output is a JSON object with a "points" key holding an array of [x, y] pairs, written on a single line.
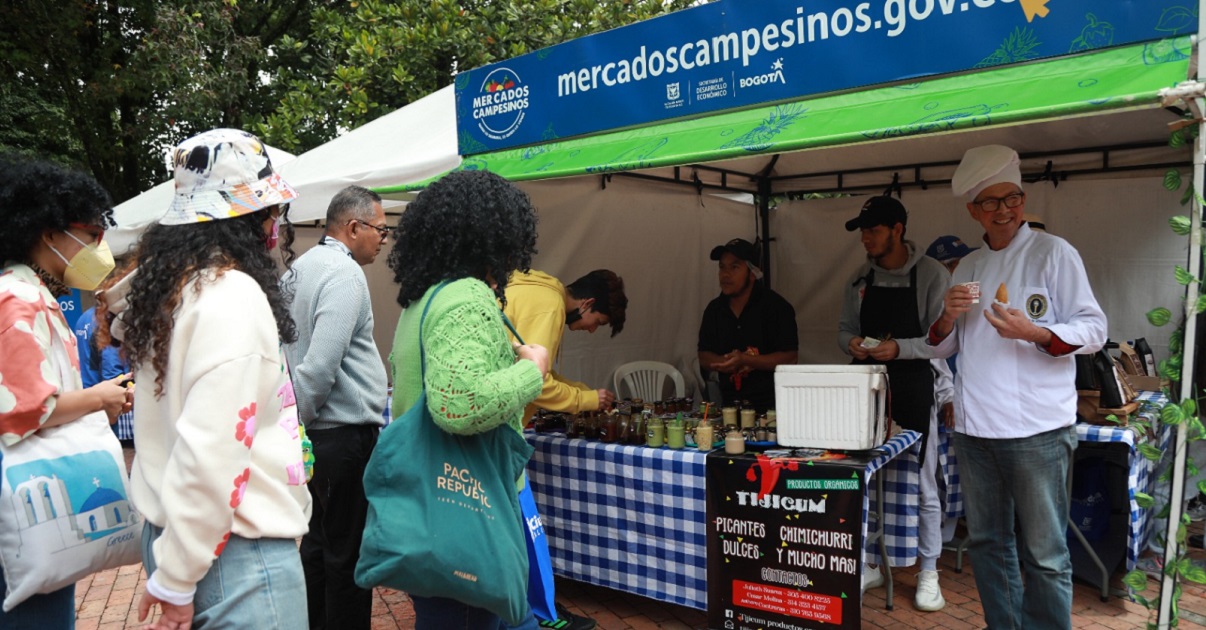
{"points": [[89, 266]]}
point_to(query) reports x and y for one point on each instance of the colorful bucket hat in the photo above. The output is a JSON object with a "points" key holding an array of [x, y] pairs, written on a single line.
{"points": [[223, 173]]}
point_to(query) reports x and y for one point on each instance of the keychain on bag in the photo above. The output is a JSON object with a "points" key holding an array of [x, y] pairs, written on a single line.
{"points": [[307, 452]]}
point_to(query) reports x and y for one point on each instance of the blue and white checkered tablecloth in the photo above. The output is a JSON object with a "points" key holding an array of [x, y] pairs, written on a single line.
{"points": [[1139, 476], [902, 479], [625, 517], [634, 518], [948, 463]]}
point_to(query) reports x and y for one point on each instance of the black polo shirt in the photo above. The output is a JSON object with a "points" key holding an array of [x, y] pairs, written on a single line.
{"points": [[767, 323]]}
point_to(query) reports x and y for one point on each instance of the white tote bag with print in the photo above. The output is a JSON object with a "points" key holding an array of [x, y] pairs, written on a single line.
{"points": [[65, 510]]}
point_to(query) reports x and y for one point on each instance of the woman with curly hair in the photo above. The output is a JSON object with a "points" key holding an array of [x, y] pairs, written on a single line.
{"points": [[466, 232], [218, 472], [52, 227]]}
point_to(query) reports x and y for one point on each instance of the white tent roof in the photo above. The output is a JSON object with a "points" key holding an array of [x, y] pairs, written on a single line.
{"points": [[412, 144], [135, 214]]}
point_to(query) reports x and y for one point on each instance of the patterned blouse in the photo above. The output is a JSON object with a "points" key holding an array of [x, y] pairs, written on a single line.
{"points": [[39, 360]]}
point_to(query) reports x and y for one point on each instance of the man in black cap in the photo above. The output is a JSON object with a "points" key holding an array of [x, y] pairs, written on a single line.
{"points": [[889, 305], [747, 330]]}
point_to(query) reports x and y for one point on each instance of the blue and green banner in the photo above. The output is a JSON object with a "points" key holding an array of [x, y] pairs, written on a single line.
{"points": [[734, 54]]}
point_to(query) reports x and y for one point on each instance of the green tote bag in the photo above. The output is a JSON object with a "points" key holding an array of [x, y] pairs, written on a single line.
{"points": [[444, 517]]}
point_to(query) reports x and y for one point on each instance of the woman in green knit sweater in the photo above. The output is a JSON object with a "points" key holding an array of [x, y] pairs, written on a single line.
{"points": [[470, 229]]}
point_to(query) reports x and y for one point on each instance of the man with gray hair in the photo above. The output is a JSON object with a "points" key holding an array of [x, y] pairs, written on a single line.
{"points": [[1019, 308], [340, 384]]}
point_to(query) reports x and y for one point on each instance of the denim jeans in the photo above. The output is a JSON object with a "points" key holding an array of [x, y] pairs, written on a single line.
{"points": [[1024, 478], [442, 613], [53, 611], [255, 583]]}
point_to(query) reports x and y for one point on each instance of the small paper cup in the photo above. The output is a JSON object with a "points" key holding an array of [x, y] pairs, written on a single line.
{"points": [[974, 287]]}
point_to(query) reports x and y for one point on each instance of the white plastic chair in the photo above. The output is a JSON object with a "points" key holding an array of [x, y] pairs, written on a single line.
{"points": [[695, 379], [647, 380]]}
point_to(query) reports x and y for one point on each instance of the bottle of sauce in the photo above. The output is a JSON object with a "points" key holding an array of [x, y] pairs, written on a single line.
{"points": [[656, 433], [747, 418], [734, 443], [676, 434], [1145, 356], [704, 436]]}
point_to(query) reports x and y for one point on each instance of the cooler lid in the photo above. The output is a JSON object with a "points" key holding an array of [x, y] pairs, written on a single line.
{"points": [[832, 369]]}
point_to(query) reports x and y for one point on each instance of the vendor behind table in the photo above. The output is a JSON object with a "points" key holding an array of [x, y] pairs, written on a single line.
{"points": [[747, 330]]}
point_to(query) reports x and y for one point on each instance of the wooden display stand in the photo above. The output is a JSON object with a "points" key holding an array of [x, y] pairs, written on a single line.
{"points": [[1087, 406]]}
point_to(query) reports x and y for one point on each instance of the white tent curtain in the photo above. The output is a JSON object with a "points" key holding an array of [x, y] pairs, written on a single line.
{"points": [[1129, 256], [658, 236]]}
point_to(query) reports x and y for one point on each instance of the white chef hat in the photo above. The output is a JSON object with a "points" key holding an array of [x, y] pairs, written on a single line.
{"points": [[984, 166]]}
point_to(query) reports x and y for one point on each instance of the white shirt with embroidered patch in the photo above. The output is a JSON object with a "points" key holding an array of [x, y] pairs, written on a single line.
{"points": [[1007, 388]]}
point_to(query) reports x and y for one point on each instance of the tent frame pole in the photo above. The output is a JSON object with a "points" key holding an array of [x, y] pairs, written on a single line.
{"points": [[764, 197], [678, 180], [728, 176], [1105, 151], [1060, 175], [1189, 346]]}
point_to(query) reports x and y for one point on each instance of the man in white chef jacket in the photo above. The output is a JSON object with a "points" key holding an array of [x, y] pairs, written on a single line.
{"points": [[1015, 394]]}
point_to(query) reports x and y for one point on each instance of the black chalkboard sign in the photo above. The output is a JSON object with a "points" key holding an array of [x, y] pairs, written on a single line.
{"points": [[785, 539]]}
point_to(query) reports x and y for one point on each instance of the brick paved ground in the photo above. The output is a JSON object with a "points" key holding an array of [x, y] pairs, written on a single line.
{"points": [[109, 601]]}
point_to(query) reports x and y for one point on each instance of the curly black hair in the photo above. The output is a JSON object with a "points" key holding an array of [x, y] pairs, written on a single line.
{"points": [[36, 196], [468, 224], [169, 256]]}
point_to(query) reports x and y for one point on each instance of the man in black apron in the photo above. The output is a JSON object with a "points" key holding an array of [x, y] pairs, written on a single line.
{"points": [[888, 307]]}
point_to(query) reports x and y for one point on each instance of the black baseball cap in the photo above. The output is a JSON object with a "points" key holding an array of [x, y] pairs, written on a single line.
{"points": [[879, 210], [738, 247]]}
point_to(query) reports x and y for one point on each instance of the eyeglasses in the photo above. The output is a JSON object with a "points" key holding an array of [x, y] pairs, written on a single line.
{"points": [[382, 231], [96, 232], [992, 204]]}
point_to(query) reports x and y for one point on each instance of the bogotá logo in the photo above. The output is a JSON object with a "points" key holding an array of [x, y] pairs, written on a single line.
{"points": [[500, 104], [774, 76]]}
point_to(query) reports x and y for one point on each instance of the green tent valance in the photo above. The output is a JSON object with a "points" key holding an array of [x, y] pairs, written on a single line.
{"points": [[1087, 84]]}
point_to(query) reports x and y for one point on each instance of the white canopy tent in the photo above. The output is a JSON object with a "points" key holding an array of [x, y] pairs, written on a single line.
{"points": [[412, 144], [1092, 131]]}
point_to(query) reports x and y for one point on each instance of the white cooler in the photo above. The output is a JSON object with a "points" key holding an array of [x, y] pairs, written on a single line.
{"points": [[831, 406]]}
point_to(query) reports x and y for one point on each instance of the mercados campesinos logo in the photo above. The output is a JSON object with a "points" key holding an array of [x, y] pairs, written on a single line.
{"points": [[501, 103]]}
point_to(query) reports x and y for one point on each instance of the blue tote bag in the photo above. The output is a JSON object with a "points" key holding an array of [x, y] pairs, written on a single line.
{"points": [[540, 566]]}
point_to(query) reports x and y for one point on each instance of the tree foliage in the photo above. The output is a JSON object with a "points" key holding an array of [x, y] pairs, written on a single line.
{"points": [[378, 55], [110, 85], [120, 82]]}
